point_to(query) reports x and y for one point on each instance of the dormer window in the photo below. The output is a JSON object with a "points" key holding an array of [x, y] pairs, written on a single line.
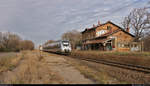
{"points": [[101, 32], [108, 27]]}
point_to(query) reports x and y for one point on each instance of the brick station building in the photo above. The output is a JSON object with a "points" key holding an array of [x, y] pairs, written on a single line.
{"points": [[109, 37]]}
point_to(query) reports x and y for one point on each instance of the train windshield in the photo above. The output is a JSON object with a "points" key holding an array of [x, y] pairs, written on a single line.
{"points": [[65, 43]]}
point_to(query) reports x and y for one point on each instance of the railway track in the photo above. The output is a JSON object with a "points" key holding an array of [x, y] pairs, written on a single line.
{"points": [[137, 68]]}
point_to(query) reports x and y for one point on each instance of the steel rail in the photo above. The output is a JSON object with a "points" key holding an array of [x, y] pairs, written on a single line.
{"points": [[120, 65], [137, 68]]}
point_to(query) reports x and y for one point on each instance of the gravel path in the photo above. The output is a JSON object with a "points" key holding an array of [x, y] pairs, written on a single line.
{"points": [[65, 70], [50, 69]]}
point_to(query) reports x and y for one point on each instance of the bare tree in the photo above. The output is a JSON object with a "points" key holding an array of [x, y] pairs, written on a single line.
{"points": [[73, 36], [5, 39], [26, 45], [127, 21], [1, 38], [9, 41], [138, 20], [14, 41], [49, 41]]}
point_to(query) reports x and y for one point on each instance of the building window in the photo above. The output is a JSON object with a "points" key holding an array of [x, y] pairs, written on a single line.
{"points": [[126, 45], [108, 27], [135, 45], [101, 32], [119, 45], [123, 45], [131, 45]]}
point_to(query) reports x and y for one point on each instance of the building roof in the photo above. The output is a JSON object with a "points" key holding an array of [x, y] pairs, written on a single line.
{"points": [[109, 33]]}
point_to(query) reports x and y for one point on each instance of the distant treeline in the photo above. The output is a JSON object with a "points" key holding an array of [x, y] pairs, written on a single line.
{"points": [[13, 42]]}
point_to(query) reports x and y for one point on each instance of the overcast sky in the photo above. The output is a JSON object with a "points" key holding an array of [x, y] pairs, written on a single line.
{"points": [[41, 20]]}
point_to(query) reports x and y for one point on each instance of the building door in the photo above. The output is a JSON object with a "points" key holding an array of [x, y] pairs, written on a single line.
{"points": [[101, 47], [108, 47]]}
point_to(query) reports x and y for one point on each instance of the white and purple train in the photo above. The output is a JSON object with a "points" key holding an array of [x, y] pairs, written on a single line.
{"points": [[62, 46]]}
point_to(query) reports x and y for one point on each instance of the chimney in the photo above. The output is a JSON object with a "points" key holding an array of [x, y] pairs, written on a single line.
{"points": [[94, 25], [99, 23], [128, 29]]}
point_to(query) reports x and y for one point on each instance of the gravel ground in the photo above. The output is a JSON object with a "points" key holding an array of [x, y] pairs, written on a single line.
{"points": [[43, 68], [114, 75], [61, 66]]}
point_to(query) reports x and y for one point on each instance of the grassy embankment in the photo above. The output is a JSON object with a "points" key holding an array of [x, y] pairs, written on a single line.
{"points": [[98, 76], [102, 74], [135, 58]]}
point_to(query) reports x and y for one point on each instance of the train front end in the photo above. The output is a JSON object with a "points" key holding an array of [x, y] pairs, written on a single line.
{"points": [[66, 47]]}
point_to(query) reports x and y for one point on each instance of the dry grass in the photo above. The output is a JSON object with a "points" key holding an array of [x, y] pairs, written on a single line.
{"points": [[31, 70], [105, 74], [135, 58], [98, 75], [8, 61], [122, 75]]}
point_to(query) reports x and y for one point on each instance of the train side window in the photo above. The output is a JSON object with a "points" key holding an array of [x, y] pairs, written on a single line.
{"points": [[59, 45]]}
